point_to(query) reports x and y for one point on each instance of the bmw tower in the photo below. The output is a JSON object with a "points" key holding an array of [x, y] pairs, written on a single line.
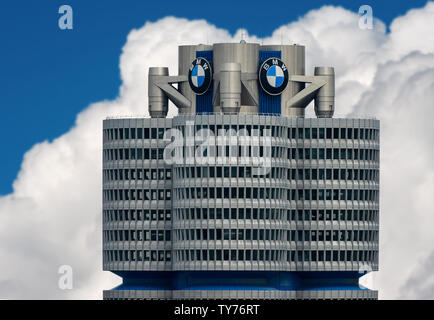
{"points": [[240, 196]]}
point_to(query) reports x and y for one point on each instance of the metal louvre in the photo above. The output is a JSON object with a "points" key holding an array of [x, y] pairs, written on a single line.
{"points": [[268, 104], [204, 102]]}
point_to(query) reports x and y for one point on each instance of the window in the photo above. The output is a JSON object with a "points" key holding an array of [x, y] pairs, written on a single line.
{"points": [[343, 154], [234, 172], [226, 255], [343, 133]]}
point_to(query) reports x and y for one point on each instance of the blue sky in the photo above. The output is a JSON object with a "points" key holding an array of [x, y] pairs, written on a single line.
{"points": [[48, 75]]}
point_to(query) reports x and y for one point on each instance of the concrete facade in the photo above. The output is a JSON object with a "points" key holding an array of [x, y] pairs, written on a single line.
{"points": [[305, 228]]}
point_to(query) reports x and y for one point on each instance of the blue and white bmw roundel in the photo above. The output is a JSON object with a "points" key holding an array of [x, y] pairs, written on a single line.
{"points": [[197, 76], [273, 76], [200, 75]]}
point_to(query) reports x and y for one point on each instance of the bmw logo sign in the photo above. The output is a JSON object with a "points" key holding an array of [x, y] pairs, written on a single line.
{"points": [[273, 76], [200, 76]]}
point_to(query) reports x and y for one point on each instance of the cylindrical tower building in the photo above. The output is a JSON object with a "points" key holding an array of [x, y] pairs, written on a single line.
{"points": [[234, 204]]}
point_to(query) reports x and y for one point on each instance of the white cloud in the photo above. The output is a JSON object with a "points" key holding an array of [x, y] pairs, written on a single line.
{"points": [[53, 216]]}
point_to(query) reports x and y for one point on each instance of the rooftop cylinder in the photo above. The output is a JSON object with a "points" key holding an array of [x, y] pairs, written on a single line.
{"points": [[325, 98], [230, 87], [158, 100]]}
